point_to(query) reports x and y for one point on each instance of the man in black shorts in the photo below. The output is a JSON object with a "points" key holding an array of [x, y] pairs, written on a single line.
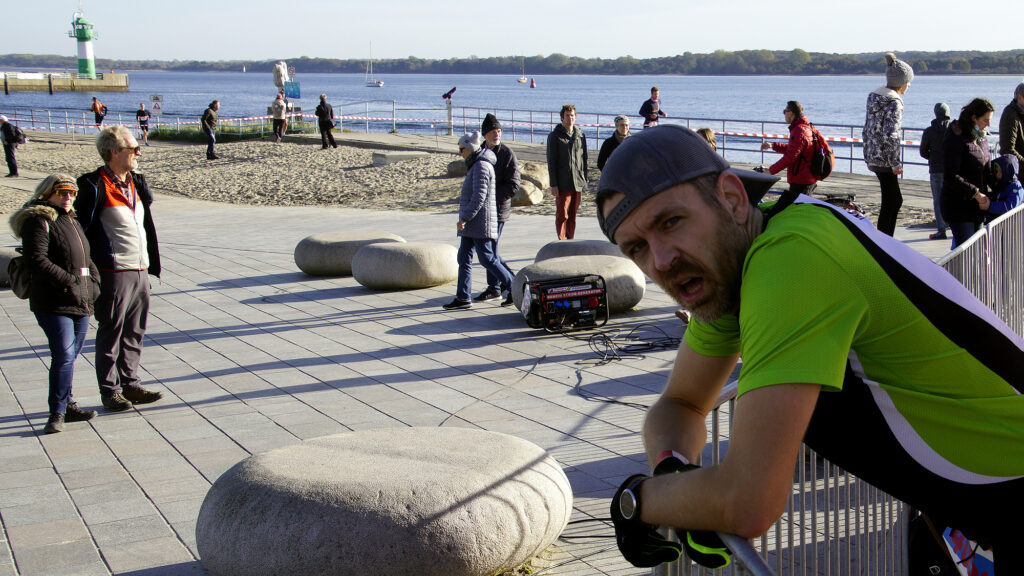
{"points": [[142, 115]]}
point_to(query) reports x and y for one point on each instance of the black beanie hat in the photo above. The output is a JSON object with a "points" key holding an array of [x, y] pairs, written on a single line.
{"points": [[490, 123]]}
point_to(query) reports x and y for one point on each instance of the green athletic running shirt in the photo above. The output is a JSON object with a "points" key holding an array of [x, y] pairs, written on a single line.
{"points": [[823, 292]]}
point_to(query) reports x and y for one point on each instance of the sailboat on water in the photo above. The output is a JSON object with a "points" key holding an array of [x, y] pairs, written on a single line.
{"points": [[371, 82], [522, 78]]}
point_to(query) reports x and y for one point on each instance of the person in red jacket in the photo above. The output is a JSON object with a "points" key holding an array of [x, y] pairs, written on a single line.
{"points": [[797, 153]]}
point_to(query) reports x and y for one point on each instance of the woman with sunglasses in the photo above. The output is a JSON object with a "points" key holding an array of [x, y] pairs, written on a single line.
{"points": [[63, 289]]}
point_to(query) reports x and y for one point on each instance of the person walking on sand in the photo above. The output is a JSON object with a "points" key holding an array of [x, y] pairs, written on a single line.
{"points": [[63, 288], [478, 222], [650, 110], [99, 110], [567, 171], [114, 206], [278, 111], [506, 184], [143, 115], [797, 153], [931, 149], [1011, 126], [613, 141], [325, 121], [9, 137], [209, 125], [882, 138]]}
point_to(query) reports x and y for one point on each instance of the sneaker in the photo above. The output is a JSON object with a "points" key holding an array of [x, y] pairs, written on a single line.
{"points": [[938, 236], [139, 395], [55, 424], [76, 414], [457, 304], [116, 403], [489, 294], [508, 300]]}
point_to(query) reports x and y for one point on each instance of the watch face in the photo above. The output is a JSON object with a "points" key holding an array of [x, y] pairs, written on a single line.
{"points": [[627, 504]]}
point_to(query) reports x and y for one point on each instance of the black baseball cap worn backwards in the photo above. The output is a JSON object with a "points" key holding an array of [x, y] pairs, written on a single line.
{"points": [[658, 158]]}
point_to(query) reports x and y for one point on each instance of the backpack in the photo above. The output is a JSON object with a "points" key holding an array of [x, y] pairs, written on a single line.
{"points": [[823, 159], [19, 135], [20, 276]]}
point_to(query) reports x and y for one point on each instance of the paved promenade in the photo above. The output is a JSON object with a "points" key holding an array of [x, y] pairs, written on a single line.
{"points": [[251, 355]]}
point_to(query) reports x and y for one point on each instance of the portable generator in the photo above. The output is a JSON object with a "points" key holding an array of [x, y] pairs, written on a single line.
{"points": [[563, 304]]}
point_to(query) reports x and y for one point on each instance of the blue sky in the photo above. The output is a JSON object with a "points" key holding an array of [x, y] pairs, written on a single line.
{"points": [[264, 29]]}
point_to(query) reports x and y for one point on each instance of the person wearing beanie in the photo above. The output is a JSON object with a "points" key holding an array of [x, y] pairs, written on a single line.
{"points": [[797, 153], [9, 136], [507, 179], [567, 171], [63, 289], [478, 222], [859, 360], [325, 122], [882, 136], [651, 110], [613, 141], [931, 149], [1011, 126]]}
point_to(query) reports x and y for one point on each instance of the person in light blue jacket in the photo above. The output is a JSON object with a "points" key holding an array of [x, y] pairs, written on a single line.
{"points": [[478, 222]]}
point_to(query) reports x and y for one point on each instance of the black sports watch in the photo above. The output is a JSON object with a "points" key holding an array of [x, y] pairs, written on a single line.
{"points": [[629, 500]]}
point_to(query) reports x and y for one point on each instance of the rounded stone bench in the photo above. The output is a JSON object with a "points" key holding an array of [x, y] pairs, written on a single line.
{"points": [[424, 501], [405, 266], [624, 282], [331, 253], [6, 255], [562, 248]]}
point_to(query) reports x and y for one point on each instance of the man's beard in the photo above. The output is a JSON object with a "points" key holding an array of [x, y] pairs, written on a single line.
{"points": [[722, 277]]}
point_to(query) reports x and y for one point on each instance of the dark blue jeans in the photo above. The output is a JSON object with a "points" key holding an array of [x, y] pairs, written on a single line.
{"points": [[484, 247], [66, 335], [936, 181], [211, 139], [492, 280], [962, 231]]}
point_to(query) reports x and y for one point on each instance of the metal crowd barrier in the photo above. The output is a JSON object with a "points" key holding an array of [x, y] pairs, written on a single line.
{"points": [[835, 524], [991, 265]]}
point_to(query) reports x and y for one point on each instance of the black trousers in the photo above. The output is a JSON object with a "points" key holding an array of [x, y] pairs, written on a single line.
{"points": [[12, 163], [803, 188], [892, 199], [326, 134]]}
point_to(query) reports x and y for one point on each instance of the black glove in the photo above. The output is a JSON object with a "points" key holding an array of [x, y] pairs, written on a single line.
{"points": [[702, 546], [759, 169], [640, 543]]}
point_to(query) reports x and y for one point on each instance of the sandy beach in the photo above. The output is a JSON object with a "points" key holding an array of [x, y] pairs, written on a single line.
{"points": [[301, 174]]}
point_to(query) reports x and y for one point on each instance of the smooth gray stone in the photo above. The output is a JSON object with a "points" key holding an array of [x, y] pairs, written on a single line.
{"points": [[562, 248], [535, 173], [457, 168], [625, 284], [395, 156], [405, 266], [331, 253], [424, 501], [6, 255], [528, 195]]}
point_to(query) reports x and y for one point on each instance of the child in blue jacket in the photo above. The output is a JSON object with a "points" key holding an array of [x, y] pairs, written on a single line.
{"points": [[1008, 190]]}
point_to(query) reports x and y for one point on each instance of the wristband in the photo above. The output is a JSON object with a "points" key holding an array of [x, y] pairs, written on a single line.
{"points": [[671, 454]]}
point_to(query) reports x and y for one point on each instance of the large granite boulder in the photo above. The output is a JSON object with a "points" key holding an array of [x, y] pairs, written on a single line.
{"points": [[331, 253], [6, 255], [625, 284], [405, 266], [537, 174], [528, 195], [562, 248], [457, 168], [424, 501]]}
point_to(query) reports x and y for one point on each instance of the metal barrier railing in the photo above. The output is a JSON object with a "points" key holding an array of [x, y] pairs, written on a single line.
{"points": [[834, 524], [989, 265]]}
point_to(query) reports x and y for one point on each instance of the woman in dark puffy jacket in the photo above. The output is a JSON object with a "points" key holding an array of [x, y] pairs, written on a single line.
{"points": [[965, 156], [64, 286]]}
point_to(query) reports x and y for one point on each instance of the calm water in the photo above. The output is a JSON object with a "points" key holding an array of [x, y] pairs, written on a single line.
{"points": [[827, 99]]}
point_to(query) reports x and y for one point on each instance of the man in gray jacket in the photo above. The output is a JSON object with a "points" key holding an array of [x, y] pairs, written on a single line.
{"points": [[567, 171], [1011, 126]]}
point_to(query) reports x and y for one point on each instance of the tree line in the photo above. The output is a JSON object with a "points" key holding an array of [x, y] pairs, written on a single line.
{"points": [[719, 62]]}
